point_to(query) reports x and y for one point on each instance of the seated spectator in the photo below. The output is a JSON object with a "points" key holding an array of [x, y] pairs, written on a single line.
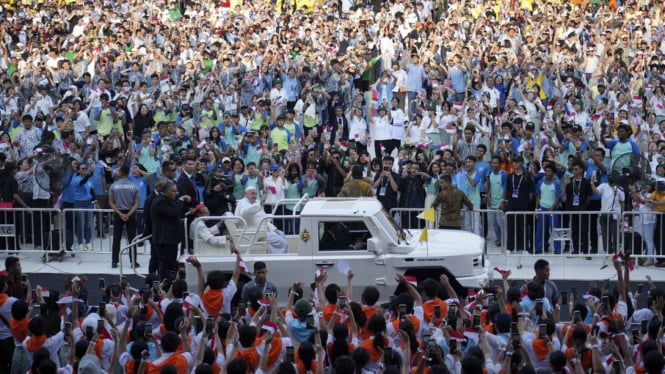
{"points": [[209, 235]]}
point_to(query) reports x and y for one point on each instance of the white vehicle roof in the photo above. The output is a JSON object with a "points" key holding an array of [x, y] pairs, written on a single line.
{"points": [[352, 207]]}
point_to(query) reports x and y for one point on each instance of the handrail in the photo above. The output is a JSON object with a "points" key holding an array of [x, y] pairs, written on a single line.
{"points": [[302, 200], [134, 243]]}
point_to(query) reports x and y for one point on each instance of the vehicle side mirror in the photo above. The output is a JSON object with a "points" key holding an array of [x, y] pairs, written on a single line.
{"points": [[373, 245]]}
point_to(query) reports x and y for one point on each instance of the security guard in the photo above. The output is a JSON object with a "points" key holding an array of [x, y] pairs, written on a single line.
{"points": [[124, 200]]}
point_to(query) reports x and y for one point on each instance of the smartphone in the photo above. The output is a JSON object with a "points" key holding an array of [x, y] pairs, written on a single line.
{"points": [[636, 336], [385, 168], [452, 344], [644, 326], [24, 278], [290, 354], [89, 333], [388, 352], [517, 342], [102, 283], [181, 274], [209, 325], [640, 288], [426, 339], [268, 312], [402, 309], [564, 297], [145, 296], [594, 330], [476, 321], [452, 312], [100, 326], [102, 310], [35, 311], [185, 295], [148, 329], [539, 307], [309, 320], [542, 330], [437, 311], [576, 317], [155, 286], [341, 302], [616, 366]]}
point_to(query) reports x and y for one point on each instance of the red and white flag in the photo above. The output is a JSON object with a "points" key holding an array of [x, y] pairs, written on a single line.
{"points": [[269, 326], [411, 279], [243, 265]]}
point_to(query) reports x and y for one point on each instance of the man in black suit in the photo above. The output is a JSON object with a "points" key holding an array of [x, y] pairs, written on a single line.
{"points": [[147, 224], [187, 184], [166, 212], [339, 125]]}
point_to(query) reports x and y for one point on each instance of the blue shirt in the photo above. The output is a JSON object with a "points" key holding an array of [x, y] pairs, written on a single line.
{"points": [[456, 76], [142, 185], [482, 170], [549, 192], [414, 77], [69, 192], [98, 178], [600, 176], [81, 190]]}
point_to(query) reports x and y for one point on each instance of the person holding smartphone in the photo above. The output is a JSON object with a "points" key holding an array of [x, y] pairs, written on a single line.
{"points": [[18, 285]]}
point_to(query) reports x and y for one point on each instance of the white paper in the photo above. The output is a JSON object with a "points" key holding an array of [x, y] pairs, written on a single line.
{"points": [[343, 267]]}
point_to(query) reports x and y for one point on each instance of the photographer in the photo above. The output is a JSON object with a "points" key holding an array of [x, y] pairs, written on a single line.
{"points": [[217, 194]]}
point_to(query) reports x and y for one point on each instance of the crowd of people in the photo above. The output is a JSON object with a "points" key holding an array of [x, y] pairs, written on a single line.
{"points": [[171, 110], [426, 327], [538, 109]]}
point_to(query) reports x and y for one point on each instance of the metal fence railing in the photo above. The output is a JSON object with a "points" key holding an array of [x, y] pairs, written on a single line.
{"points": [[524, 233]]}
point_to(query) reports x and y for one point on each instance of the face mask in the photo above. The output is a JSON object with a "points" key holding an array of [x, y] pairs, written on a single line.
{"points": [[126, 89]]}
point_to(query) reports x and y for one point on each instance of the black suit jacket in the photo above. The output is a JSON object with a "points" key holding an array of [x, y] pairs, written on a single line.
{"points": [[187, 187], [333, 128], [166, 215], [147, 219]]}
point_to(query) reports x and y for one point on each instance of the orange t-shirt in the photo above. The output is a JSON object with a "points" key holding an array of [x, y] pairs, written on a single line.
{"points": [[374, 354], [428, 309], [177, 360]]}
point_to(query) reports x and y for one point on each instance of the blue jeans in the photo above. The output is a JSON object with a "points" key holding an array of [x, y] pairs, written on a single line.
{"points": [[545, 223], [83, 222], [494, 223]]}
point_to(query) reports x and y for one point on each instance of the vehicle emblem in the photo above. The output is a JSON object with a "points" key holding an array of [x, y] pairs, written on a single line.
{"points": [[304, 236]]}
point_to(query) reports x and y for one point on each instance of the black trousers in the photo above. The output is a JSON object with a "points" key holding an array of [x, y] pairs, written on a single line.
{"points": [[153, 265], [6, 353], [579, 225], [118, 225], [42, 222], [69, 226], [594, 205], [168, 257], [520, 232]]}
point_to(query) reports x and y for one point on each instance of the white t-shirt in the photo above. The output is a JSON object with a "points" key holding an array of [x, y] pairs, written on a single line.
{"points": [[611, 198]]}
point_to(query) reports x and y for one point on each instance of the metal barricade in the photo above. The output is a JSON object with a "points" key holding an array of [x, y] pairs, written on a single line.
{"points": [[92, 230], [487, 223], [33, 230], [132, 245], [644, 236], [583, 234]]}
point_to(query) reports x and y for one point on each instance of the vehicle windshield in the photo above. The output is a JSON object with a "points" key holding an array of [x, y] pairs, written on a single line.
{"points": [[389, 225]]}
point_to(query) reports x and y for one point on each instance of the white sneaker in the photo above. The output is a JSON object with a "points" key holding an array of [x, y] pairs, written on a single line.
{"points": [[88, 246], [81, 247]]}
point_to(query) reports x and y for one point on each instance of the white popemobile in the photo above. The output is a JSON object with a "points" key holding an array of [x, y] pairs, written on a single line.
{"points": [[336, 234]]}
